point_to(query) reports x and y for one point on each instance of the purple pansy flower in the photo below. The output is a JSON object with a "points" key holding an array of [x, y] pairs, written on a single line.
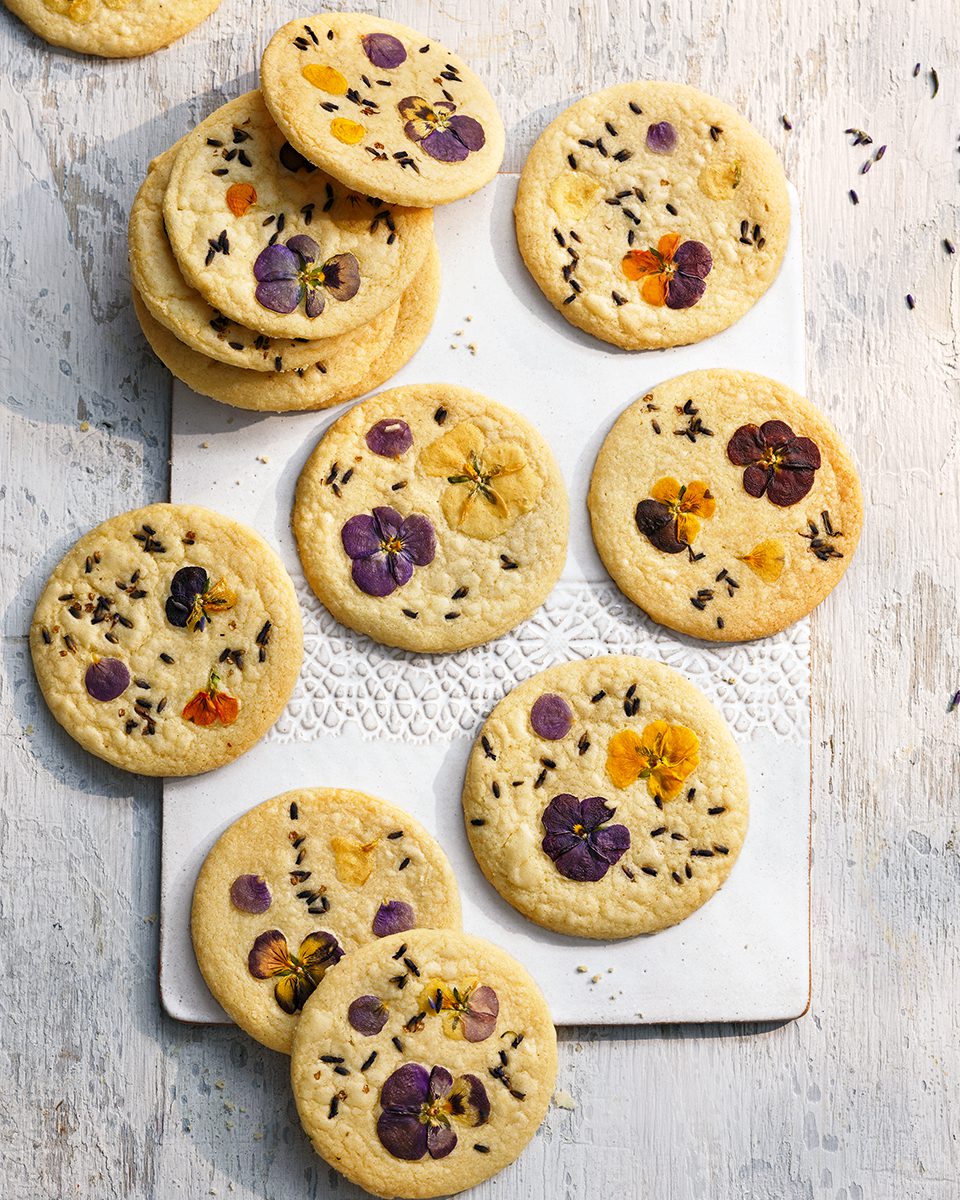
{"points": [[289, 274], [106, 679], [419, 1107], [386, 547], [394, 916], [579, 840], [384, 50], [441, 134]]}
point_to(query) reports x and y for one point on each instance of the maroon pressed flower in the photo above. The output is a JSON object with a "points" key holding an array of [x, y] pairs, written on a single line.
{"points": [[778, 464]]}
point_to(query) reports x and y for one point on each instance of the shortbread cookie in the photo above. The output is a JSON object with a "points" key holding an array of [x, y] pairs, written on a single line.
{"points": [[383, 108], [651, 214], [431, 518], [111, 28], [168, 640], [606, 798], [424, 1063], [337, 375], [275, 244], [725, 505], [181, 309], [298, 882], [418, 307]]}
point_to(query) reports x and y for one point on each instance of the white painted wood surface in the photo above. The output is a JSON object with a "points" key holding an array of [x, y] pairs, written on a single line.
{"points": [[105, 1097]]}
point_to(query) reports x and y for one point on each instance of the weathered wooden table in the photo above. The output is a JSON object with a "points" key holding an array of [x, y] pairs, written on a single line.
{"points": [[102, 1095]]}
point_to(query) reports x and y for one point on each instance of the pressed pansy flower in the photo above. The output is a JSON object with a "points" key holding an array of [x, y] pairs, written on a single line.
{"points": [[664, 755], [420, 1106], [673, 274], [778, 464], [393, 916], [193, 598], [580, 839], [385, 548], [296, 974], [551, 716], [766, 559], [290, 275], [106, 679], [384, 50], [367, 1015], [250, 893], [491, 484], [439, 131], [670, 519], [468, 1010], [210, 705], [662, 138], [353, 861]]}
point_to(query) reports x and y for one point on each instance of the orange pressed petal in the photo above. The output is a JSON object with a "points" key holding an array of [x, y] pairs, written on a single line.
{"points": [[226, 707], [200, 710], [697, 499], [239, 198], [666, 490], [654, 290], [638, 263], [668, 245], [688, 526]]}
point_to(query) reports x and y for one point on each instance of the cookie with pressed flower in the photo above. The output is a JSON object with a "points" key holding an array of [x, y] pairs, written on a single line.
{"points": [[652, 214], [111, 28], [431, 518], [383, 108], [725, 505], [181, 309], [301, 880], [277, 245], [606, 798], [167, 640], [424, 1063]]}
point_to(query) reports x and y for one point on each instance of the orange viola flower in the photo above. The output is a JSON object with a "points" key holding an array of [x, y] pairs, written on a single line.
{"points": [[673, 274], [210, 705]]}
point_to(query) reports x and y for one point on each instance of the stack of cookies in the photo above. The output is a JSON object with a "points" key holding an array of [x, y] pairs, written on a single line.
{"points": [[282, 254]]}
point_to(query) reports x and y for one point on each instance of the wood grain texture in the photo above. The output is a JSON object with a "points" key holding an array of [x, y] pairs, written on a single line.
{"points": [[104, 1096]]}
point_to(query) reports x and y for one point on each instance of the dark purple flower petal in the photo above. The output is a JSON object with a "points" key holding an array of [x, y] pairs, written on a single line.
{"points": [[250, 894], [411, 131], [582, 865], [789, 486], [401, 568], [594, 812], [693, 258], [611, 843], [746, 445], [280, 296], [388, 522], [440, 1141], [419, 539], [444, 146], [367, 1015], [555, 844], [293, 160], [402, 1135], [683, 291], [384, 50], [276, 262], [268, 955], [396, 916], [775, 434], [360, 537], [477, 1101], [441, 1081], [341, 276], [373, 575], [315, 302], [551, 716], [188, 583], [389, 438], [469, 131], [755, 479], [801, 452], [303, 245], [561, 814], [407, 1088], [106, 679], [662, 138], [658, 526]]}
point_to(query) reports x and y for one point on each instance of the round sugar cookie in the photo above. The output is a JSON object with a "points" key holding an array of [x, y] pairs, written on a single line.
{"points": [[383, 108], [652, 214], [606, 798], [424, 1064], [301, 880], [167, 640], [275, 244], [111, 28], [181, 309], [724, 505], [431, 518], [317, 386]]}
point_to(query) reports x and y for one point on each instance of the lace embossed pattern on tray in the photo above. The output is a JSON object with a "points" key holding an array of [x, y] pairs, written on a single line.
{"points": [[349, 680]]}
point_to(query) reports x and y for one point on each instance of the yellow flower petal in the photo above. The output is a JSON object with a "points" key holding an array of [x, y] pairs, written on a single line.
{"points": [[449, 454], [625, 758], [353, 861], [672, 753], [688, 526], [766, 559], [327, 79], [697, 499], [475, 514], [520, 490], [348, 132], [573, 194], [666, 490], [720, 180]]}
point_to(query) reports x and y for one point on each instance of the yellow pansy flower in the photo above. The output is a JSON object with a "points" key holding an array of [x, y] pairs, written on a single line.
{"points": [[664, 755]]}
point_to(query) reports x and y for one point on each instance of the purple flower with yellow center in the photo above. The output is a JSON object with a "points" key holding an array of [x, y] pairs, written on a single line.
{"points": [[468, 1009], [193, 598], [579, 838], [439, 130], [296, 974], [420, 1107], [385, 548], [290, 275]]}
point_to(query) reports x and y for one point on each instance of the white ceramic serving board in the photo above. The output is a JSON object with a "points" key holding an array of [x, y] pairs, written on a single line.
{"points": [[401, 725]]}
